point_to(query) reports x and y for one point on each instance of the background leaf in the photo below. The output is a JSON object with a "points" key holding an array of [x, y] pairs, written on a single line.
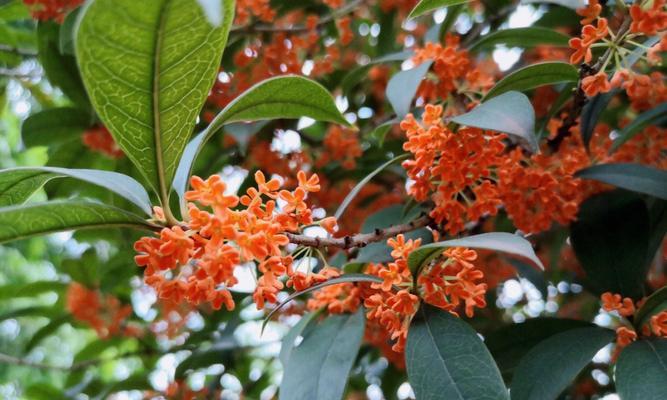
{"points": [[510, 113], [634, 177], [521, 37], [655, 116], [403, 85], [149, 84], [319, 366], [551, 366], [641, 370], [54, 126], [446, 359], [426, 6], [532, 76]]}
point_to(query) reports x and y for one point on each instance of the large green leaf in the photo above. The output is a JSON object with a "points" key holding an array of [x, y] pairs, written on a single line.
{"points": [[551, 366], [19, 222], [54, 126], [655, 116], [510, 344], [281, 97], [641, 370], [318, 368], [611, 239], [521, 37], [427, 6], [634, 177], [591, 114], [446, 359], [510, 113], [496, 241], [532, 76], [20, 183], [289, 340], [148, 67], [403, 85]]}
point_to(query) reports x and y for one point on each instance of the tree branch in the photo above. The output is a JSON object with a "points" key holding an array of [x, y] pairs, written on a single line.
{"points": [[361, 239]]}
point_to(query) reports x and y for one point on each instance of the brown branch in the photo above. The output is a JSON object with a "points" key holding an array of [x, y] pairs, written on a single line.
{"points": [[361, 239], [255, 28]]}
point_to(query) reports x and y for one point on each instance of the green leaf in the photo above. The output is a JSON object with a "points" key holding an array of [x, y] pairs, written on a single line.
{"points": [[571, 4], [532, 76], [380, 132], [510, 344], [355, 76], [17, 183], [32, 289], [289, 97], [497, 241], [14, 10], [521, 37], [288, 341], [590, 115], [610, 239], [446, 359], [345, 278], [32, 311], [510, 113], [318, 368], [47, 330], [148, 67], [641, 370], [654, 304], [60, 69], [20, 222], [216, 354], [403, 85], [54, 126], [68, 32], [654, 116], [427, 6], [357, 188], [634, 177], [552, 365]]}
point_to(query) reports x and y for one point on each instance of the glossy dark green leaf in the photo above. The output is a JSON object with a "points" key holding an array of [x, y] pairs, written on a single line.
{"points": [[289, 340], [634, 177], [521, 37], [403, 85], [510, 344], [427, 6], [319, 366], [611, 239], [532, 76], [445, 359], [548, 368], [54, 126], [20, 222], [148, 67], [591, 113], [641, 370], [510, 113], [496, 241], [655, 116], [654, 304], [20, 183], [288, 97]]}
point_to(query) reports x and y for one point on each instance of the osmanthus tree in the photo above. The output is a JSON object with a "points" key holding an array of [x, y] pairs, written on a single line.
{"points": [[358, 179]]}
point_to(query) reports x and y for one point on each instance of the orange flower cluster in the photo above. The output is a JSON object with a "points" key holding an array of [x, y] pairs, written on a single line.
{"points": [[657, 324], [589, 35], [650, 20], [590, 12], [104, 313], [454, 69], [644, 91], [257, 8], [594, 84], [99, 139], [455, 167], [56, 10], [340, 144], [196, 262]]}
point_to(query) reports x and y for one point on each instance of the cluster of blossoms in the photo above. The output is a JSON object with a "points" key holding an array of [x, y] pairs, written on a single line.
{"points": [[196, 262], [99, 139], [104, 313], [625, 307], [471, 173], [449, 282], [342, 145], [56, 10]]}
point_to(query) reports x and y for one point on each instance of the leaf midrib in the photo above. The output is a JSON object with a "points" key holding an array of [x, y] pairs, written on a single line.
{"points": [[157, 134], [444, 365]]}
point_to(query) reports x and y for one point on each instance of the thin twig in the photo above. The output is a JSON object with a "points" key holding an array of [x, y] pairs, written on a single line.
{"points": [[361, 239]]}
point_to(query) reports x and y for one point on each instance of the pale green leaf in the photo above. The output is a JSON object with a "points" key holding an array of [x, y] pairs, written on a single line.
{"points": [[403, 85]]}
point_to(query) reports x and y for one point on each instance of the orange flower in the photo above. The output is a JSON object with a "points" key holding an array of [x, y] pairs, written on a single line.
{"points": [[99, 139], [594, 84], [311, 184], [103, 313], [329, 224], [210, 192], [51, 9], [624, 336], [614, 302], [659, 324], [650, 20], [590, 12], [582, 51]]}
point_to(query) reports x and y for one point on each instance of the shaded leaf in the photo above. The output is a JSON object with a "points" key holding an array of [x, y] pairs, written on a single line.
{"points": [[634, 177], [358, 74], [654, 116], [32, 289], [54, 126], [510, 113], [288, 341], [641, 370], [47, 330], [521, 37], [654, 304], [403, 85], [446, 359], [427, 6], [320, 365], [590, 115], [548, 368], [532, 76], [217, 354], [148, 67]]}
